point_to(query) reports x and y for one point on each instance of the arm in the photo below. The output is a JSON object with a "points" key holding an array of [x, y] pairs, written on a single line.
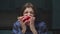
{"points": [[32, 26], [43, 28], [16, 29]]}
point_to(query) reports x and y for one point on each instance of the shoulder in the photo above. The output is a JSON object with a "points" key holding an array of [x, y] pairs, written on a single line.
{"points": [[16, 23], [41, 23]]}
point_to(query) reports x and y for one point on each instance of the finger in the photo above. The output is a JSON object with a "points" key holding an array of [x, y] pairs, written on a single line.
{"points": [[20, 18], [26, 21], [24, 17], [32, 19]]}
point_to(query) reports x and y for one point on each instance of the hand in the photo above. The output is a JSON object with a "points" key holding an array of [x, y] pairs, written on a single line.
{"points": [[32, 26], [20, 19]]}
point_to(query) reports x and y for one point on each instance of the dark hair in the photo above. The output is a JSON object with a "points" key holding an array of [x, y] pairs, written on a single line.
{"points": [[27, 5]]}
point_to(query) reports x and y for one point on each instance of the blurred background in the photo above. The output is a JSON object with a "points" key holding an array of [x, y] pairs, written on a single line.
{"points": [[47, 10]]}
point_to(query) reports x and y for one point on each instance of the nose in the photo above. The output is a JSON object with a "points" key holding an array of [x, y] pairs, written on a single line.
{"points": [[29, 14]]}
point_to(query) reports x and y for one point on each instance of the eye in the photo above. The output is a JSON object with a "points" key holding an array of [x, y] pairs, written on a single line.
{"points": [[25, 12], [31, 12]]}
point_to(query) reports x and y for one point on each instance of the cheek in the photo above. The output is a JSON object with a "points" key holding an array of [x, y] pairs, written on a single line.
{"points": [[32, 14], [25, 14]]}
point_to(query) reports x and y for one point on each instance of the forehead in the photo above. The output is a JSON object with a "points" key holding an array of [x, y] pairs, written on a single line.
{"points": [[28, 9]]}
